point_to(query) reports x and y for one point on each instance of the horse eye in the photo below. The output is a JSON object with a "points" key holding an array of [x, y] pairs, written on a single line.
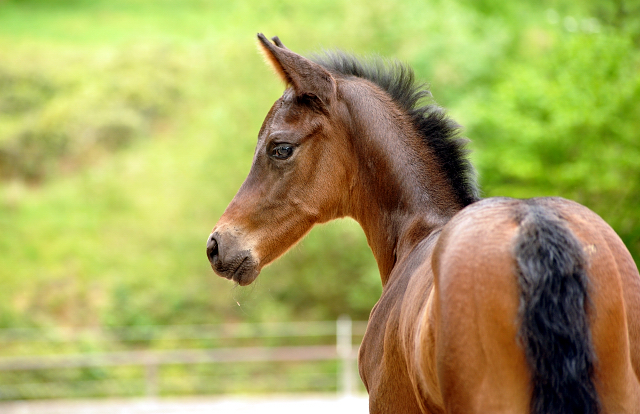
{"points": [[282, 151]]}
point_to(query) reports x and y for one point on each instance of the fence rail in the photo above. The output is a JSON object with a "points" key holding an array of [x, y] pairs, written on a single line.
{"points": [[343, 350], [204, 331], [178, 356]]}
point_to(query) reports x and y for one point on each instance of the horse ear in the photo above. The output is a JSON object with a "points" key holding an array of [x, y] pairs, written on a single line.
{"points": [[304, 76]]}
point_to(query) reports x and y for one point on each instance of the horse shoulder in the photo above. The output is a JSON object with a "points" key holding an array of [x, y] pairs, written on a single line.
{"points": [[390, 351]]}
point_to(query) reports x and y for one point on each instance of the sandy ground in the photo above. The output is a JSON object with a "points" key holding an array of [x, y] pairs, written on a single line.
{"points": [[307, 404]]}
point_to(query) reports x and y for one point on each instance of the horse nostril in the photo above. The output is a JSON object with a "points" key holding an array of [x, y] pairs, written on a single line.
{"points": [[212, 248]]}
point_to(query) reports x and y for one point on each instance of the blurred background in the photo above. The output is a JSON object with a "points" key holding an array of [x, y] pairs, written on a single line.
{"points": [[126, 126]]}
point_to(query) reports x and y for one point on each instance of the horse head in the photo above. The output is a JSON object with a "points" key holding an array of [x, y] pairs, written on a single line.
{"points": [[298, 166]]}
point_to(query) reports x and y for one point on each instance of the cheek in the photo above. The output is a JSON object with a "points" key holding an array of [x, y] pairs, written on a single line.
{"points": [[331, 183]]}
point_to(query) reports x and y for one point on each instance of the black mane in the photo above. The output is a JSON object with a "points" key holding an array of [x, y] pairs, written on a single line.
{"points": [[439, 132]]}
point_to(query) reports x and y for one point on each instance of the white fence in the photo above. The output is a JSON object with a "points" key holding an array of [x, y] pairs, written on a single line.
{"points": [[342, 350]]}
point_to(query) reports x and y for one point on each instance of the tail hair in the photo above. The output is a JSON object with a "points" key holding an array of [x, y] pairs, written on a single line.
{"points": [[554, 322]]}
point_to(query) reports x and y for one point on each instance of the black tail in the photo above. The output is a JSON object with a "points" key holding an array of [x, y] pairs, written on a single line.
{"points": [[554, 327]]}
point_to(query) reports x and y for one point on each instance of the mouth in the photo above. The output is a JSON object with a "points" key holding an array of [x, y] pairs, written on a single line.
{"points": [[245, 273], [242, 269]]}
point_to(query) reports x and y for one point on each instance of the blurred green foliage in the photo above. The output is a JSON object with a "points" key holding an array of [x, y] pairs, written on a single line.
{"points": [[127, 126], [55, 119]]}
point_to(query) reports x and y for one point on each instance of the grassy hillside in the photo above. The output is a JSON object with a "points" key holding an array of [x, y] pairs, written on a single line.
{"points": [[127, 126]]}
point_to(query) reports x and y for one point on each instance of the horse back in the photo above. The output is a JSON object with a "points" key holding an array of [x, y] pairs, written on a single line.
{"points": [[481, 358]]}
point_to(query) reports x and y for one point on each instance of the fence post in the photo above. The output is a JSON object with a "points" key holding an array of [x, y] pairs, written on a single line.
{"points": [[151, 380], [344, 349]]}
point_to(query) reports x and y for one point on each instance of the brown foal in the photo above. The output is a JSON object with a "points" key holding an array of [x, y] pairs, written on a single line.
{"points": [[495, 305]]}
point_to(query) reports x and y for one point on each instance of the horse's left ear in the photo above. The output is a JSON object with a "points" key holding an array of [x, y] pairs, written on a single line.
{"points": [[306, 77]]}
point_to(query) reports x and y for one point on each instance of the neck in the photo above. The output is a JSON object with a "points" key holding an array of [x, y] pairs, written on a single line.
{"points": [[399, 195], [391, 238]]}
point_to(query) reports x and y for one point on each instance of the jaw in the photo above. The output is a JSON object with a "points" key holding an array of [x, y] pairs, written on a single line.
{"points": [[247, 238]]}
